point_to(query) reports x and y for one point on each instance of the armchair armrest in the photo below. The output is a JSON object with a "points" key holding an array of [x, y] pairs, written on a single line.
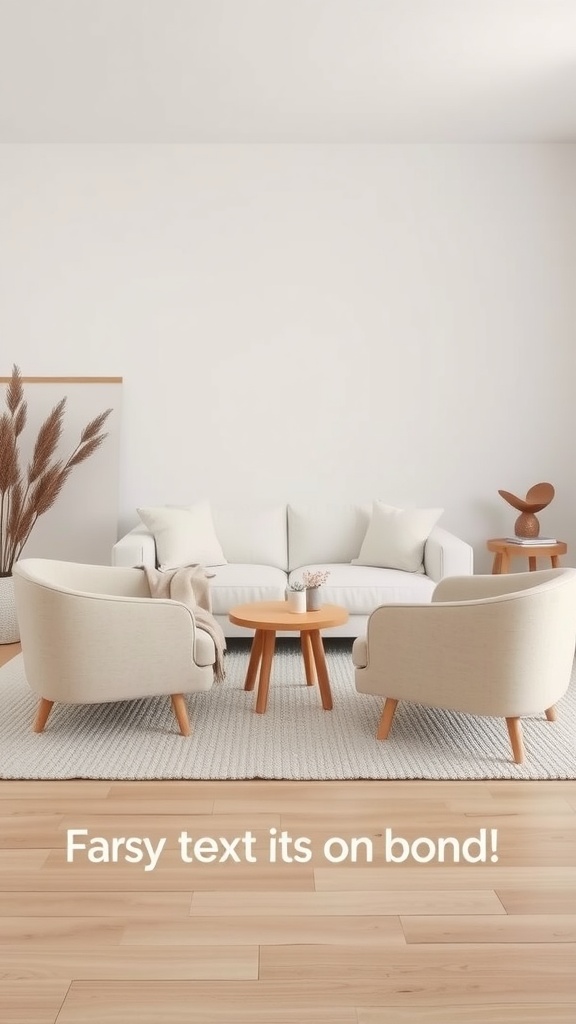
{"points": [[433, 654], [135, 548], [479, 588], [485, 657], [447, 555], [95, 647]]}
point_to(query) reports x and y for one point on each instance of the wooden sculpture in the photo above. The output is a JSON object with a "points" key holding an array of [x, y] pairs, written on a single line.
{"points": [[537, 498]]}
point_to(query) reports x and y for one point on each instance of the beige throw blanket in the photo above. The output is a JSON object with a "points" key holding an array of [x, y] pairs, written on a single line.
{"points": [[190, 586]]}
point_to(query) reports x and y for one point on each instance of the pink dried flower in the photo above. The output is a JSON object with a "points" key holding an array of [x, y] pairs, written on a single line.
{"points": [[316, 578]]}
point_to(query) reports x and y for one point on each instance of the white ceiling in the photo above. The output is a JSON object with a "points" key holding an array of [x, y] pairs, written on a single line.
{"points": [[287, 70]]}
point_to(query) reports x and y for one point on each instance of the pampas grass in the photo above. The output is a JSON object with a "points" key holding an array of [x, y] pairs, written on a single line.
{"points": [[27, 495]]}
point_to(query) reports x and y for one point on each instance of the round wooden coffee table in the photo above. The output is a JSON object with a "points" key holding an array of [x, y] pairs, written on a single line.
{"points": [[271, 617]]}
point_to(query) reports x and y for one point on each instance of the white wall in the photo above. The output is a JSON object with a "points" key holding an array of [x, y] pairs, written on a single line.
{"points": [[308, 321]]}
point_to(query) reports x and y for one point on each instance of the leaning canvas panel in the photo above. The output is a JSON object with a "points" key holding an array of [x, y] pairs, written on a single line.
{"points": [[82, 525]]}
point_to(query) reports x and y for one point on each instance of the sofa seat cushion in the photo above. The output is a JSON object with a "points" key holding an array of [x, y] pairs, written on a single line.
{"points": [[360, 588], [238, 583]]}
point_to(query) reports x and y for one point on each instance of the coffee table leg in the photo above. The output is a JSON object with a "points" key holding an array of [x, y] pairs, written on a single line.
{"points": [[265, 667], [254, 663], [497, 564], [321, 669], [532, 563], [308, 657]]}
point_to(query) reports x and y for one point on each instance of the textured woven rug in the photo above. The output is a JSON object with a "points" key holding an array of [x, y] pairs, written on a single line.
{"points": [[295, 739]]}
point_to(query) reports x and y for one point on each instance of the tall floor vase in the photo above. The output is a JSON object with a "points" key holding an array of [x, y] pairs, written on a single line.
{"points": [[9, 632]]}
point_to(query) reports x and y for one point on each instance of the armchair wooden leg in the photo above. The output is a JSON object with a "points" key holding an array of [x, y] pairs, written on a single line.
{"points": [[42, 715], [386, 720], [516, 741], [181, 713], [551, 714]]}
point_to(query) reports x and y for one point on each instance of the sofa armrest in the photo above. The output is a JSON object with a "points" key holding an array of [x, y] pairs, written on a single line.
{"points": [[447, 555], [136, 548]]}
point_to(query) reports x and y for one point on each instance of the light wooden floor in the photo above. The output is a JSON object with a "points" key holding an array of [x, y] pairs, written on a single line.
{"points": [[288, 943]]}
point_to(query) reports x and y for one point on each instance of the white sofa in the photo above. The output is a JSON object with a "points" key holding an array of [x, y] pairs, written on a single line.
{"points": [[267, 546]]}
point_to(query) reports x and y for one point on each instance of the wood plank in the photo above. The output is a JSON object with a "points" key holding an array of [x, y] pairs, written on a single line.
{"points": [[57, 876], [152, 1002], [206, 904], [504, 788], [60, 931], [132, 906], [22, 1003], [305, 791], [350, 807], [19, 860], [124, 963], [198, 1003], [348, 930], [549, 900], [75, 804], [537, 971], [78, 789], [530, 928], [501, 1013], [29, 830], [465, 876], [542, 804]]}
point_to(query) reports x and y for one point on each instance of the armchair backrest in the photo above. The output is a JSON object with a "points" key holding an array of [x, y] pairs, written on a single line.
{"points": [[491, 645]]}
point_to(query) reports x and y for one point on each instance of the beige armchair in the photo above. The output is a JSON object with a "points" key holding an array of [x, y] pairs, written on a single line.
{"points": [[487, 645], [93, 633]]}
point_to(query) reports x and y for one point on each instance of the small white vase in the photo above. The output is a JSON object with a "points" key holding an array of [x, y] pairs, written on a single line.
{"points": [[296, 600], [313, 599], [9, 632]]}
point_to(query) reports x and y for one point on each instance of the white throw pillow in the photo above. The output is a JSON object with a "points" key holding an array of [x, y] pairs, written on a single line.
{"points": [[396, 537], [183, 536]]}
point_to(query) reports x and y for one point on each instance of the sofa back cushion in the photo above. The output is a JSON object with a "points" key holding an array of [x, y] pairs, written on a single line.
{"points": [[396, 537], [183, 535], [319, 533], [254, 535]]}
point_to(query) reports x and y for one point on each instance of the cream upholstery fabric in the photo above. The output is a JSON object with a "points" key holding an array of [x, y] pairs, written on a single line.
{"points": [[92, 633], [183, 536], [325, 533], [447, 555], [488, 645], [396, 537], [238, 584], [361, 588], [253, 534]]}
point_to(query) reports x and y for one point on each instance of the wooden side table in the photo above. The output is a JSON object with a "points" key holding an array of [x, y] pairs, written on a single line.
{"points": [[269, 617], [505, 550]]}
